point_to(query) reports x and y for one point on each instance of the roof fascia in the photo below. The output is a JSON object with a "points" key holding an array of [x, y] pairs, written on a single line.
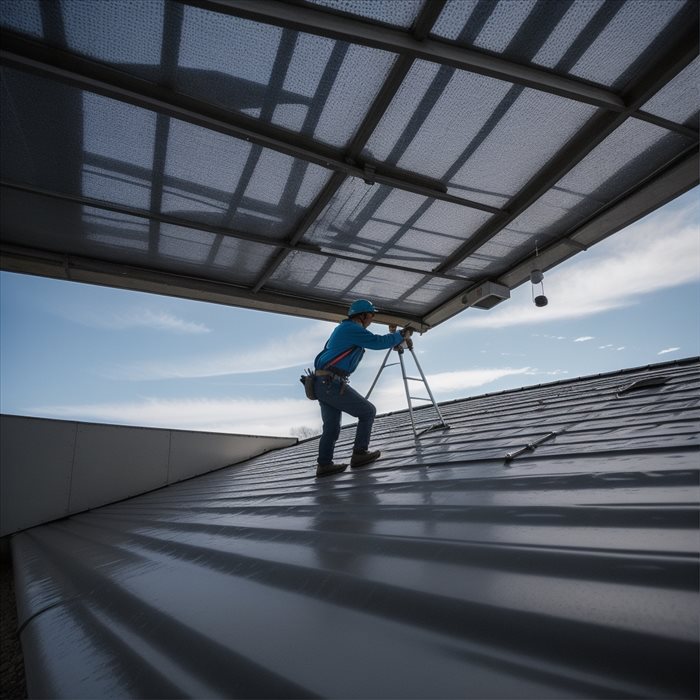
{"points": [[103, 273]]}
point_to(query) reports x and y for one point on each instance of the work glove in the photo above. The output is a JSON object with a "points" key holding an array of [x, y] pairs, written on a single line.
{"points": [[406, 335]]}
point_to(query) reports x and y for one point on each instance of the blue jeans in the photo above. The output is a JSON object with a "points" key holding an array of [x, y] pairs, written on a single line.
{"points": [[336, 397]]}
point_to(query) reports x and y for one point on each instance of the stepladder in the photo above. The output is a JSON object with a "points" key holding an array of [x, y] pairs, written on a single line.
{"points": [[418, 430]]}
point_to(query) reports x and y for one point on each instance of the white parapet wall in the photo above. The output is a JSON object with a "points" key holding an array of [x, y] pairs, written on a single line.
{"points": [[53, 468]]}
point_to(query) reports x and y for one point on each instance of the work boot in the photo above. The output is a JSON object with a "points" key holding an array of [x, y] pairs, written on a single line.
{"points": [[327, 469], [362, 457]]}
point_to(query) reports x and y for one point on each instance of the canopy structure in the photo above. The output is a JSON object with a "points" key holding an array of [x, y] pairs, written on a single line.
{"points": [[293, 156]]}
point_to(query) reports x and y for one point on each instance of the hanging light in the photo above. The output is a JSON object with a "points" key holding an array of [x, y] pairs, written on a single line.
{"points": [[537, 278]]}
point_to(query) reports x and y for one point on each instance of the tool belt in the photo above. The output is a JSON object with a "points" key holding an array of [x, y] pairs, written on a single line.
{"points": [[329, 371], [335, 373]]}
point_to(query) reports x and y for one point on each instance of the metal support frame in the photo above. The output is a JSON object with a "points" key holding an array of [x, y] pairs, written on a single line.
{"points": [[354, 149], [86, 74], [208, 228], [34, 56], [441, 425]]}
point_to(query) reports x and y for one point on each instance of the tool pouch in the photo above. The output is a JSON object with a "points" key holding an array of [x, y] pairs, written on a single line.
{"points": [[308, 381]]}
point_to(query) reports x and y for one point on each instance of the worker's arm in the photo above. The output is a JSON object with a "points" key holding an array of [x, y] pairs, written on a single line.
{"points": [[357, 335]]}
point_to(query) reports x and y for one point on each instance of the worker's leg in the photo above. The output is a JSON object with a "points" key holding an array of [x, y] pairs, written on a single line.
{"points": [[331, 422], [359, 406], [349, 401], [333, 394]]}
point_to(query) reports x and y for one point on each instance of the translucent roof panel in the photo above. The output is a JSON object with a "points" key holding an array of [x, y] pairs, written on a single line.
{"points": [[679, 100], [632, 152], [293, 156], [107, 150], [598, 41], [66, 227], [374, 222], [456, 126], [402, 14], [22, 16], [304, 83]]}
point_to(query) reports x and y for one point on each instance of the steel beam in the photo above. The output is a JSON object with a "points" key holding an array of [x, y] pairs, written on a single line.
{"points": [[208, 228], [91, 271], [310, 20]]}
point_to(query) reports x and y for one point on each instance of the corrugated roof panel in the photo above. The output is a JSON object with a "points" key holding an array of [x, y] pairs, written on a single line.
{"points": [[444, 570]]}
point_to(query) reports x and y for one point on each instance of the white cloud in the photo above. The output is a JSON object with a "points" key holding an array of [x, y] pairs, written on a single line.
{"points": [[230, 415], [584, 338], [547, 373], [663, 352], [269, 417], [295, 350], [658, 252], [391, 396], [141, 318]]}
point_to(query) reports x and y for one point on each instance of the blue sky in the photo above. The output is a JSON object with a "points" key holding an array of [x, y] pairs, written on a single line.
{"points": [[88, 353]]}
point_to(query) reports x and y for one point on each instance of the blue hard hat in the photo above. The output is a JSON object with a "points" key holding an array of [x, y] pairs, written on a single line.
{"points": [[361, 306]]}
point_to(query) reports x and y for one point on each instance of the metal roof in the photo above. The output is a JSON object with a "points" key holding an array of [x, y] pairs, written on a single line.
{"points": [[444, 570], [292, 156]]}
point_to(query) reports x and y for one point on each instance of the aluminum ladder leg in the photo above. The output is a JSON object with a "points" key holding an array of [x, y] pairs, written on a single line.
{"points": [[442, 425]]}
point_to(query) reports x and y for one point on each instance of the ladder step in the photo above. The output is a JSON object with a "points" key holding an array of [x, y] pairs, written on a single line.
{"points": [[415, 379], [419, 398]]}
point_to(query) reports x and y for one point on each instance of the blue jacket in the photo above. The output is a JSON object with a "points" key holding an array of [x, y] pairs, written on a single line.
{"points": [[349, 334]]}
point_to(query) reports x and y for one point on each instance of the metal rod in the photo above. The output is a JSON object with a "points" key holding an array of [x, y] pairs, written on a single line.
{"points": [[430, 393], [376, 379], [408, 395]]}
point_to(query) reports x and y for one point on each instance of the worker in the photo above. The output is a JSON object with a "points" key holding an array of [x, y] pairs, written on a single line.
{"points": [[333, 367]]}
